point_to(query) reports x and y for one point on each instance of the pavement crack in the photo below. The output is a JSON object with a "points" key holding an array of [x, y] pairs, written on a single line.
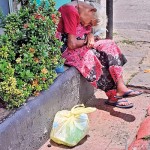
{"points": [[142, 41], [108, 145], [141, 61], [132, 76]]}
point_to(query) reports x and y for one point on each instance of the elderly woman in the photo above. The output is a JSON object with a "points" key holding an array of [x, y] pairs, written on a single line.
{"points": [[99, 61]]}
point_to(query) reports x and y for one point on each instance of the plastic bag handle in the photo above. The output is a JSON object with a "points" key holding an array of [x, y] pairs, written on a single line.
{"points": [[79, 109], [77, 106]]}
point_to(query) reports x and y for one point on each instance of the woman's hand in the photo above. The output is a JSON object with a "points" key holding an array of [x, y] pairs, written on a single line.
{"points": [[73, 43], [97, 38], [90, 40]]}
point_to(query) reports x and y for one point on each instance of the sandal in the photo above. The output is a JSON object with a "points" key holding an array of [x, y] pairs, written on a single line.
{"points": [[129, 94], [118, 103]]}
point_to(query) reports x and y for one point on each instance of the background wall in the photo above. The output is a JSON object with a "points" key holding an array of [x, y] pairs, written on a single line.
{"points": [[4, 5], [58, 2]]}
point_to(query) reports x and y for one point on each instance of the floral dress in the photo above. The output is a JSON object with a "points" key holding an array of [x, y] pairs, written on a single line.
{"points": [[101, 65]]}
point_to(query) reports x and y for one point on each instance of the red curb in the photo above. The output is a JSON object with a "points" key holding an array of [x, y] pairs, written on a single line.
{"points": [[139, 145], [144, 129]]}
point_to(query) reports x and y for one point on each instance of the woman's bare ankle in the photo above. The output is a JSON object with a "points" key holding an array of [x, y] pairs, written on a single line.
{"points": [[122, 90]]}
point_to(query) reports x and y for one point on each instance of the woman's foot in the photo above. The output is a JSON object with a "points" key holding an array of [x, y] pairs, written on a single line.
{"points": [[123, 91], [128, 93], [122, 103]]}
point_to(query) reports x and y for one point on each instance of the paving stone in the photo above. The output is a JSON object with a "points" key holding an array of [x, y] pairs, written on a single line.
{"points": [[141, 80]]}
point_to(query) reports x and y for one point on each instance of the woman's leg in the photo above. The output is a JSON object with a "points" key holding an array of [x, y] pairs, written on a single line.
{"points": [[107, 84], [112, 61]]}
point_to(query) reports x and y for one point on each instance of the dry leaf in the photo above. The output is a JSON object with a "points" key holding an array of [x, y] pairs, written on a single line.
{"points": [[147, 71]]}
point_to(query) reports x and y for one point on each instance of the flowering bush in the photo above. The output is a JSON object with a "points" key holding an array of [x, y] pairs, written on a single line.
{"points": [[29, 53]]}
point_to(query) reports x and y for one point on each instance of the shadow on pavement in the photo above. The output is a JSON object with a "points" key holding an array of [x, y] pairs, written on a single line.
{"points": [[100, 104], [65, 147]]}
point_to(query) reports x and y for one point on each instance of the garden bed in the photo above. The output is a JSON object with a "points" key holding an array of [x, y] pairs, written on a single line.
{"points": [[29, 126]]}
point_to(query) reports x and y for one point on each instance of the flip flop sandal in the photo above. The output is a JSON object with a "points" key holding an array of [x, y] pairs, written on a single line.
{"points": [[118, 104], [128, 94]]}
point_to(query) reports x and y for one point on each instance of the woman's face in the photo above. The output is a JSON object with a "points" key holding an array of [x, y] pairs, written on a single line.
{"points": [[87, 18]]}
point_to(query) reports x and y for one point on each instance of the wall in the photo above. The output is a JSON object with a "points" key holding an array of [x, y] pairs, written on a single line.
{"points": [[58, 2], [4, 5]]}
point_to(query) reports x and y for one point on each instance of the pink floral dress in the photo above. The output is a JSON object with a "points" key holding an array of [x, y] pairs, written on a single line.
{"points": [[101, 66]]}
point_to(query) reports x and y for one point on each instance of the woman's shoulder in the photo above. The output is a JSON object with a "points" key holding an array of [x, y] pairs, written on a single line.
{"points": [[69, 7], [69, 11]]}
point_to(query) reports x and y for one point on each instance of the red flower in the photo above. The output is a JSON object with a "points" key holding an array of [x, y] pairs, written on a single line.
{"points": [[32, 50], [36, 59], [54, 20], [53, 16], [39, 16], [43, 79], [25, 25], [35, 83]]}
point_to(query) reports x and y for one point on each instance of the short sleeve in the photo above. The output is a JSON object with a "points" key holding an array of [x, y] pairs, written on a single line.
{"points": [[69, 20]]}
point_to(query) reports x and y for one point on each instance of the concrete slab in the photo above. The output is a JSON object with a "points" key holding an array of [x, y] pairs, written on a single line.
{"points": [[110, 128], [132, 34], [136, 49], [131, 68], [145, 64], [141, 80], [134, 73], [134, 13]]}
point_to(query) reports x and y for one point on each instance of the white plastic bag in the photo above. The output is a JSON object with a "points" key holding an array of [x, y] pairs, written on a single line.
{"points": [[69, 127]]}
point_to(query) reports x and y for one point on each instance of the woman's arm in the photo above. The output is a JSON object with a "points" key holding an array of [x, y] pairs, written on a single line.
{"points": [[73, 43]]}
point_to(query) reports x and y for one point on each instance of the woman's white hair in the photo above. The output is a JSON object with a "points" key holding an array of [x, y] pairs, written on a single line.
{"points": [[100, 15]]}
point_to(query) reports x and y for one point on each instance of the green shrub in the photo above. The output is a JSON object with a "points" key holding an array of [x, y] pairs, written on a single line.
{"points": [[29, 53]]}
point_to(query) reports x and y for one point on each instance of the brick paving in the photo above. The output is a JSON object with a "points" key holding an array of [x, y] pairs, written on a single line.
{"points": [[110, 128]]}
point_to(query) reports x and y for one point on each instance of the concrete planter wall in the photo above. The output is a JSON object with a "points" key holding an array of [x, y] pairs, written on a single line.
{"points": [[29, 127]]}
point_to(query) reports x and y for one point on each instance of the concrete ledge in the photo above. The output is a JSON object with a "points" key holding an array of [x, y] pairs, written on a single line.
{"points": [[29, 127]]}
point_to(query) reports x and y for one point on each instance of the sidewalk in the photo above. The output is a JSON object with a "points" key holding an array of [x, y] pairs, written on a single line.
{"points": [[113, 128]]}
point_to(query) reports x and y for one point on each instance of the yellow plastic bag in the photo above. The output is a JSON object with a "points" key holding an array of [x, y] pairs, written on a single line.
{"points": [[69, 127]]}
